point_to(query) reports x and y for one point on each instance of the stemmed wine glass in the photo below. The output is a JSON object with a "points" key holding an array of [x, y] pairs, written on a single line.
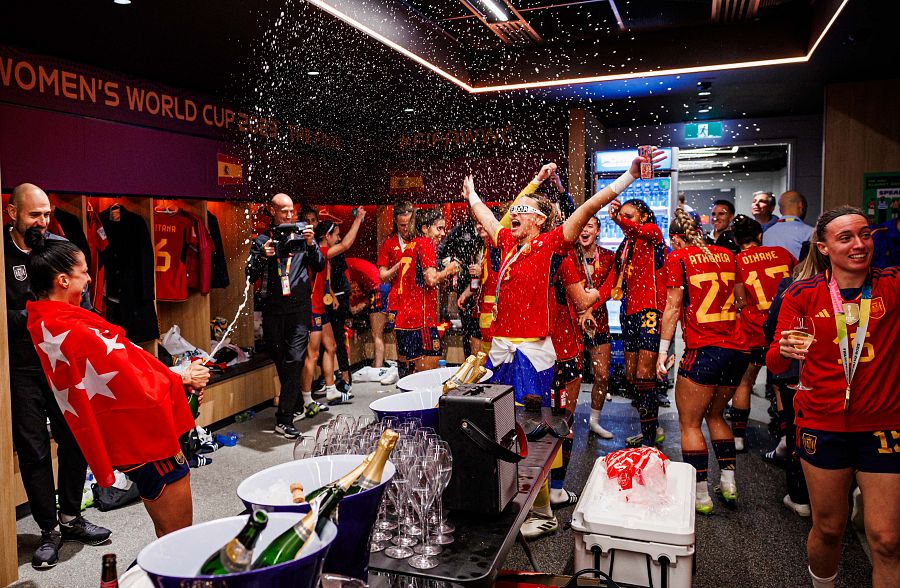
{"points": [[440, 453], [422, 487], [804, 330], [402, 542]]}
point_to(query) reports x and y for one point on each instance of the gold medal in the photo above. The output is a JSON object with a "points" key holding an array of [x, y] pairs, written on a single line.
{"points": [[851, 313], [328, 299], [617, 293], [494, 312]]}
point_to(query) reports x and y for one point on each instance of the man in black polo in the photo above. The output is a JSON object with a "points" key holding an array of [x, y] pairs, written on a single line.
{"points": [[286, 295], [33, 402], [721, 235]]}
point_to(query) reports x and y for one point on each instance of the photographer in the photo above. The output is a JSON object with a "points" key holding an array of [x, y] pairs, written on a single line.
{"points": [[285, 259]]}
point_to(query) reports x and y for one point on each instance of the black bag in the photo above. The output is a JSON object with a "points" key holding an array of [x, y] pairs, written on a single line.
{"points": [[112, 498]]}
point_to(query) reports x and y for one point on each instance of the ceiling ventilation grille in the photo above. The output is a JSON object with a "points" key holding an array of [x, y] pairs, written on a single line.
{"points": [[513, 29], [726, 11]]}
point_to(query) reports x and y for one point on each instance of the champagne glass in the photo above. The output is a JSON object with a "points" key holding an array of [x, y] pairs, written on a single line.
{"points": [[304, 447], [442, 529], [802, 328], [421, 484]]}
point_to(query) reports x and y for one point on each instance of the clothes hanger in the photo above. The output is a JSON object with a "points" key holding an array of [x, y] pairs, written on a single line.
{"points": [[167, 209]]}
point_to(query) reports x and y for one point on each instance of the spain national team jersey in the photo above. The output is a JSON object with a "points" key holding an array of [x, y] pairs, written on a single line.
{"points": [[524, 305], [566, 332], [708, 316], [320, 283], [640, 265], [874, 399], [760, 269], [171, 236], [408, 298], [428, 258], [490, 268], [601, 267], [390, 253]]}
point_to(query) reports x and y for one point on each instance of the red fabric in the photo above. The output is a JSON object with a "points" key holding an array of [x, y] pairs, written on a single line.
{"points": [[428, 259], [489, 275], [626, 465], [97, 241], [566, 332], [318, 288], [708, 317], [601, 268], [364, 273], [388, 256], [408, 299], [874, 401], [760, 269], [123, 405], [171, 236], [198, 261], [644, 287], [524, 308]]}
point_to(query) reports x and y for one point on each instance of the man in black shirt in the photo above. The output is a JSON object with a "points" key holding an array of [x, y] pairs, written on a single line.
{"points": [[721, 235], [286, 297], [33, 402]]}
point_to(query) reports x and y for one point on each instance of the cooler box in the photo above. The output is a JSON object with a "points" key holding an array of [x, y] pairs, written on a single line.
{"points": [[634, 542]]}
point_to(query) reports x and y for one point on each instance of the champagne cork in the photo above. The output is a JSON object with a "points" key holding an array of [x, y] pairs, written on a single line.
{"points": [[297, 493]]}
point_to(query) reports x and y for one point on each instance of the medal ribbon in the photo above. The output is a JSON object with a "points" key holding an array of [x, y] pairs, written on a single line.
{"points": [[507, 265], [589, 270], [837, 302]]}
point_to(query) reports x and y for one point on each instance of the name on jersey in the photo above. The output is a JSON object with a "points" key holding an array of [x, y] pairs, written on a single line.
{"points": [[761, 256], [700, 258], [165, 228]]}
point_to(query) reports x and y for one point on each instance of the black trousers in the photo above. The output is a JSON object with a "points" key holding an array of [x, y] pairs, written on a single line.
{"points": [[32, 404], [793, 473], [338, 317], [287, 336]]}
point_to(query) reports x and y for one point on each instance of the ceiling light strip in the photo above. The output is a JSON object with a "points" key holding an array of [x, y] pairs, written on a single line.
{"points": [[575, 81]]}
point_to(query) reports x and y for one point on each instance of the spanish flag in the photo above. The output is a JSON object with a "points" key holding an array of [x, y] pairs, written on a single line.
{"points": [[405, 182], [230, 170]]}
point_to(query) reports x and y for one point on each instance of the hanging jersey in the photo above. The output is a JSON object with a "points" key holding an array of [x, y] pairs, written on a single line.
{"points": [[390, 253], [320, 283], [760, 270], [566, 333], [171, 237], [601, 267], [708, 316], [874, 401], [523, 310], [97, 241]]}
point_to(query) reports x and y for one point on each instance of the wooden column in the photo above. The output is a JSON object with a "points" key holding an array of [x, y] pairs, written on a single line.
{"points": [[9, 564], [577, 154]]}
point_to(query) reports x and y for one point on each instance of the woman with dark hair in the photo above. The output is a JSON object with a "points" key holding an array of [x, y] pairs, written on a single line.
{"points": [[639, 282], [848, 415], [699, 278], [321, 333], [125, 408], [484, 275], [759, 270]]}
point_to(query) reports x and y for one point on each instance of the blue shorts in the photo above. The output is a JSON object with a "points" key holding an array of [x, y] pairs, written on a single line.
{"points": [[566, 371], [758, 356], [378, 300], [152, 477], [875, 452], [641, 330], [597, 339], [389, 324], [319, 321], [416, 343], [714, 366]]}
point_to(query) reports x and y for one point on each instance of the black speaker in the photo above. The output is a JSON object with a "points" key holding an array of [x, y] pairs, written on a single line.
{"points": [[478, 421]]}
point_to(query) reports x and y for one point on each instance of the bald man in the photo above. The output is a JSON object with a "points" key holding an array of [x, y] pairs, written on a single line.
{"points": [[789, 231], [286, 297], [33, 402]]}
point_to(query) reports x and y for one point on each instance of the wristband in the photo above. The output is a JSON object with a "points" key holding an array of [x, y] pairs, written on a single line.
{"points": [[664, 347], [621, 183], [474, 199]]}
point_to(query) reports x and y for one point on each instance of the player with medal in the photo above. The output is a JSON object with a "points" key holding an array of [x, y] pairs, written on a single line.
{"points": [[848, 410], [321, 333]]}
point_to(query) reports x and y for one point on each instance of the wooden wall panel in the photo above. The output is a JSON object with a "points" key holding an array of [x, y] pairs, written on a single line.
{"points": [[577, 158], [235, 395], [235, 228], [862, 134]]}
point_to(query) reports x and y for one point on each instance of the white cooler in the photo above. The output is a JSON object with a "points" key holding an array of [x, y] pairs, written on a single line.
{"points": [[628, 542]]}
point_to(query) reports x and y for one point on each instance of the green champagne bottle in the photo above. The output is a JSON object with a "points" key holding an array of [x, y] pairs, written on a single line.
{"points": [[194, 403], [237, 554]]}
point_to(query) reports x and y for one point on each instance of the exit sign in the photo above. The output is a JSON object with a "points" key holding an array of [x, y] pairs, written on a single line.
{"points": [[704, 130]]}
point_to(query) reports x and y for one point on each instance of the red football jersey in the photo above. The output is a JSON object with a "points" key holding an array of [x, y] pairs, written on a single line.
{"points": [[490, 271], [874, 401], [319, 284], [171, 236], [409, 295], [428, 259], [708, 316], [566, 333], [524, 305], [390, 253], [760, 269], [601, 268], [640, 262]]}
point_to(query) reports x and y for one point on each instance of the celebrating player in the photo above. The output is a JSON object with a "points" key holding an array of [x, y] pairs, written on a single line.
{"points": [[700, 282], [485, 276], [432, 227], [842, 324], [759, 270], [392, 257]]}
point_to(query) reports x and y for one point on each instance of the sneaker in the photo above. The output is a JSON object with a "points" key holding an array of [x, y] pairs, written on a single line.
{"points": [[79, 529], [318, 385], [739, 445], [728, 494], [314, 408], [596, 429], [660, 435], [801, 510], [287, 431], [390, 377], [208, 447], [343, 386], [664, 400], [47, 553], [538, 525], [704, 504], [335, 396], [198, 461]]}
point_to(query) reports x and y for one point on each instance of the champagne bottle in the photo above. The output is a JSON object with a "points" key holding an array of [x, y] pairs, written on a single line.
{"points": [[109, 577], [350, 476], [478, 371], [237, 554], [459, 377], [193, 402], [371, 477]]}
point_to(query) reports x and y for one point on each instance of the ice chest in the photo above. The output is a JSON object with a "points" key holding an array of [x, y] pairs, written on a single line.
{"points": [[633, 543]]}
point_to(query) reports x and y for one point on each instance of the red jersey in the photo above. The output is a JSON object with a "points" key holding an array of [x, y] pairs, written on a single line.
{"points": [[760, 269], [407, 299], [321, 284], [171, 236], [427, 259], [708, 317], [490, 272], [600, 267], [566, 333], [524, 305], [390, 253], [365, 276], [640, 262], [874, 401]]}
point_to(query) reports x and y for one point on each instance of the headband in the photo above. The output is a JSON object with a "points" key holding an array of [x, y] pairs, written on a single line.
{"points": [[525, 209]]}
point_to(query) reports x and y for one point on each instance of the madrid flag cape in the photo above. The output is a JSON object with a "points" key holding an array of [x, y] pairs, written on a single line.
{"points": [[123, 406]]}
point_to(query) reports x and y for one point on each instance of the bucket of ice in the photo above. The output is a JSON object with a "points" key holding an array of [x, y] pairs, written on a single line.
{"points": [[269, 489], [173, 561], [432, 379]]}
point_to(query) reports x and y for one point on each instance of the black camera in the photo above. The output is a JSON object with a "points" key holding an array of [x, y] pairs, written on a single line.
{"points": [[288, 238]]}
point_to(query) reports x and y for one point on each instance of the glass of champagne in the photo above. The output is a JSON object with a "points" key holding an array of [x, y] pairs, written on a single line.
{"points": [[804, 330]]}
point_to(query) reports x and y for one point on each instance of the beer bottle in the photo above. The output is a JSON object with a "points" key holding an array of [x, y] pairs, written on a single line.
{"points": [[371, 477], [237, 554], [109, 577]]}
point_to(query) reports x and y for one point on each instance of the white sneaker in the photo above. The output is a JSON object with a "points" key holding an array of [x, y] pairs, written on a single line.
{"points": [[801, 510], [537, 525], [596, 429], [365, 374], [857, 516], [703, 504], [390, 377], [739, 444], [781, 450]]}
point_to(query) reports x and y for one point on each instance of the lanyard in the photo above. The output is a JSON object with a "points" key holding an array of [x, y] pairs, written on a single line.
{"points": [[506, 266], [402, 242], [589, 270], [285, 277], [840, 318]]}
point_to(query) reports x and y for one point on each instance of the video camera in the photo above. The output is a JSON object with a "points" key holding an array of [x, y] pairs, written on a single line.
{"points": [[288, 238]]}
